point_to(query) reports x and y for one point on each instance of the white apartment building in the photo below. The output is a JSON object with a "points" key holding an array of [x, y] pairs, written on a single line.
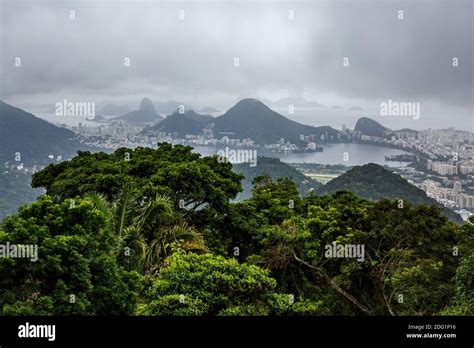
{"points": [[466, 167], [442, 168]]}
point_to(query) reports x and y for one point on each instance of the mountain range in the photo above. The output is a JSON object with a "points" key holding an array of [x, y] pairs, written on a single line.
{"points": [[29, 140], [33, 138], [249, 118]]}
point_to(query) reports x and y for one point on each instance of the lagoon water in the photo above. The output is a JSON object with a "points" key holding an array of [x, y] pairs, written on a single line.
{"points": [[357, 154]]}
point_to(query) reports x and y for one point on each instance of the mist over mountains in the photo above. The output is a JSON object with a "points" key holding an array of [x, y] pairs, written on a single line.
{"points": [[249, 118], [33, 138], [145, 114]]}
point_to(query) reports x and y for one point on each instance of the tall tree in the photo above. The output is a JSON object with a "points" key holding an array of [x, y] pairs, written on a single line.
{"points": [[191, 181], [76, 271]]}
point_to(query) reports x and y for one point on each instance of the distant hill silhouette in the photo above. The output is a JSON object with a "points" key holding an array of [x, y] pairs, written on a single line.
{"points": [[34, 138], [374, 182], [113, 110], [202, 118], [169, 107], [101, 119], [296, 102], [275, 169], [189, 122], [145, 114], [208, 110], [250, 118], [370, 127]]}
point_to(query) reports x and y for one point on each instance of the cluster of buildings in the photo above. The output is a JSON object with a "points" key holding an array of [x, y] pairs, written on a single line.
{"points": [[449, 197], [466, 167], [450, 152], [451, 167], [442, 168], [122, 134], [111, 135], [11, 167], [434, 144]]}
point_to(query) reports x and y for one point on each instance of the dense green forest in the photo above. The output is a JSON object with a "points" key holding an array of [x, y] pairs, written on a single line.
{"points": [[373, 182], [276, 169], [15, 190], [155, 232]]}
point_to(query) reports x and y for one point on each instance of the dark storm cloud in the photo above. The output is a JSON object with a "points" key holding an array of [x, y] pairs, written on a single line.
{"points": [[401, 58], [192, 59]]}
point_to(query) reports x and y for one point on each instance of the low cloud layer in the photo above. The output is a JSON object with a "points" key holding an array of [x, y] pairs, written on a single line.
{"points": [[192, 59]]}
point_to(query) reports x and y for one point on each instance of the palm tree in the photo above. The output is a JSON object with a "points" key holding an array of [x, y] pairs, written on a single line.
{"points": [[146, 229]]}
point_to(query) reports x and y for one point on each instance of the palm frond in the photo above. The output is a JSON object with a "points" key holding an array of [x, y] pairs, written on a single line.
{"points": [[122, 206], [102, 205], [132, 238], [152, 211]]}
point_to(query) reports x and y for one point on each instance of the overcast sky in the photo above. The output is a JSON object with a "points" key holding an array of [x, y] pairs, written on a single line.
{"points": [[192, 59]]}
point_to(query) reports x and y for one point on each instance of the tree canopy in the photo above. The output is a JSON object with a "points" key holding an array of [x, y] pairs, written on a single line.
{"points": [[154, 232], [191, 181]]}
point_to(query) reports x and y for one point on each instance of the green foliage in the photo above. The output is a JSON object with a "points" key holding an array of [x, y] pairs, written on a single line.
{"points": [[464, 296], [373, 182], [179, 256], [146, 229], [173, 305], [408, 250], [172, 171], [75, 257], [463, 302], [208, 284], [276, 169]]}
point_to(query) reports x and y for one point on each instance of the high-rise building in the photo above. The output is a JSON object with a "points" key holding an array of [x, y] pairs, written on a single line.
{"points": [[442, 168], [466, 167], [457, 186]]}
